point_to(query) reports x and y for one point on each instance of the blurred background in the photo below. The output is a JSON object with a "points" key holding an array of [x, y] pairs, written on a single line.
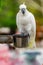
{"points": [[9, 9]]}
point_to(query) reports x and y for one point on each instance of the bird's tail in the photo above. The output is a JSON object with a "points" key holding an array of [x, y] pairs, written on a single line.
{"points": [[32, 43]]}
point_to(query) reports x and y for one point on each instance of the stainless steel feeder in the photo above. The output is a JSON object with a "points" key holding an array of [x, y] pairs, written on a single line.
{"points": [[21, 41]]}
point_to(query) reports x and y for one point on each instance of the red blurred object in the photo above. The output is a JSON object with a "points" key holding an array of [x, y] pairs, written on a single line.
{"points": [[18, 32], [6, 57]]}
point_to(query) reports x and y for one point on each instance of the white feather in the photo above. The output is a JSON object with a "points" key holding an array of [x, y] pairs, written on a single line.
{"points": [[26, 23]]}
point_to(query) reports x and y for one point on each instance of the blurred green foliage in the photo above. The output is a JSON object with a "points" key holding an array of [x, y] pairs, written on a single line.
{"points": [[9, 9]]}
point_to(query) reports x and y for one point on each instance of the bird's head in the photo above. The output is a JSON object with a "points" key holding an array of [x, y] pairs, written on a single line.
{"points": [[22, 8]]}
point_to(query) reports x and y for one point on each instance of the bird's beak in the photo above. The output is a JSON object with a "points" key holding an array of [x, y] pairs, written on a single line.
{"points": [[23, 11]]}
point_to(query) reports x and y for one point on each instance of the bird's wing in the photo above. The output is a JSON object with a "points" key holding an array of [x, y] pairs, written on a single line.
{"points": [[18, 23], [33, 25]]}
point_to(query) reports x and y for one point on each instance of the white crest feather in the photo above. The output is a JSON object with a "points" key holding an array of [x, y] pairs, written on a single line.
{"points": [[22, 6]]}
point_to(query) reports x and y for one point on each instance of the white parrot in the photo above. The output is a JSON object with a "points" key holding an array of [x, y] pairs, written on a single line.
{"points": [[26, 24]]}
